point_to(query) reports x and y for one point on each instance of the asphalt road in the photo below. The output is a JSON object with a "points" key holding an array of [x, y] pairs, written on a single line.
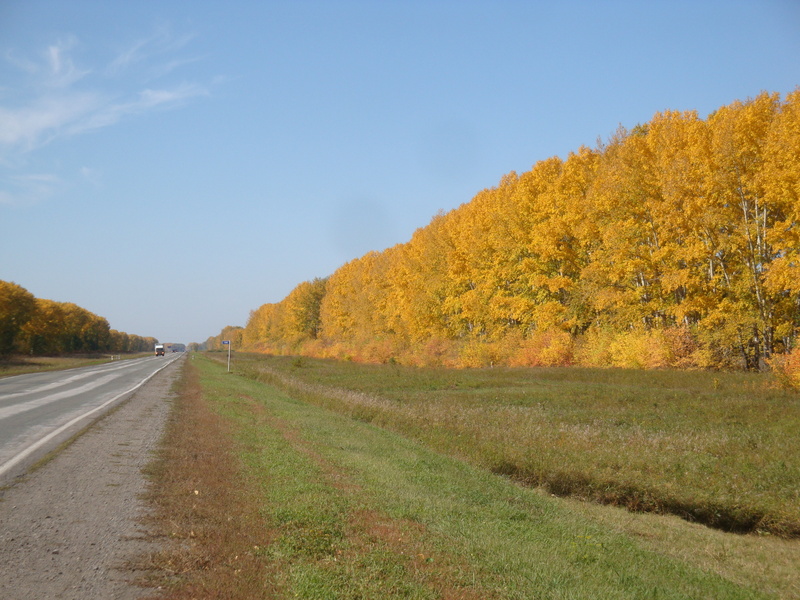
{"points": [[41, 410]]}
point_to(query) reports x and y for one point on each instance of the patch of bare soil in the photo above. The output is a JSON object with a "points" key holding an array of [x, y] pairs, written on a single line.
{"points": [[207, 515], [70, 529]]}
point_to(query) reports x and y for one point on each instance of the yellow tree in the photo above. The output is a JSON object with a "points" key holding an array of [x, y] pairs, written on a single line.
{"points": [[564, 242], [540, 254], [472, 278], [484, 295], [688, 221], [233, 334], [739, 135], [418, 286], [17, 306], [346, 312], [622, 281], [265, 328], [780, 180], [303, 310], [46, 333]]}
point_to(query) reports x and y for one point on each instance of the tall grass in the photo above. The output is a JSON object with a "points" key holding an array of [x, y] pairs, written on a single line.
{"points": [[717, 448]]}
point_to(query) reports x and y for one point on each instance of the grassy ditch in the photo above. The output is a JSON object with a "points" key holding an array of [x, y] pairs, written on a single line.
{"points": [[265, 496], [714, 448]]}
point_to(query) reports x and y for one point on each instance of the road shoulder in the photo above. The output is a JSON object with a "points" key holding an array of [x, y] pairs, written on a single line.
{"points": [[68, 528]]}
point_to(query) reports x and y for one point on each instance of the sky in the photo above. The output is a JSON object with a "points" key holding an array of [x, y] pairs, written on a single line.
{"points": [[172, 165]]}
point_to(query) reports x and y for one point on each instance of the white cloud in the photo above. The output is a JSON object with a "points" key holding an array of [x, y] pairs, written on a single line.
{"points": [[21, 63], [92, 176], [160, 43], [57, 98], [63, 72], [129, 56], [44, 118], [167, 68], [110, 113], [21, 190], [153, 98]]}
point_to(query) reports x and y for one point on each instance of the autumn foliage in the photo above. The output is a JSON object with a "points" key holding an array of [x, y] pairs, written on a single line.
{"points": [[39, 327], [674, 244]]}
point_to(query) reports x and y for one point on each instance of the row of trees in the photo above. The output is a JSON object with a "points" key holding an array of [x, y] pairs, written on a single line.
{"points": [[230, 333], [35, 326], [676, 243]]}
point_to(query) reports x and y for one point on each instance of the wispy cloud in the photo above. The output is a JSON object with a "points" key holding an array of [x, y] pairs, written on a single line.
{"points": [[62, 72], [92, 176], [57, 96], [46, 117], [64, 99], [173, 65], [147, 100], [155, 51], [49, 117], [29, 189], [60, 99]]}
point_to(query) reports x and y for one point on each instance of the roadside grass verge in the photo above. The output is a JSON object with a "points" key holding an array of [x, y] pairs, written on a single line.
{"points": [[715, 448], [205, 517], [20, 365], [312, 504]]}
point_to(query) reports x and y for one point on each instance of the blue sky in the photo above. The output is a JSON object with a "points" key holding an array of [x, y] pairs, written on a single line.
{"points": [[173, 165]]}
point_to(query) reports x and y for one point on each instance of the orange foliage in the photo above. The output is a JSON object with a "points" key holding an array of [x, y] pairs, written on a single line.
{"points": [[786, 369]]}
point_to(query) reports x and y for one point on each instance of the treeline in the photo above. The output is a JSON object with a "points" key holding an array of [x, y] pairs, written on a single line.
{"points": [[39, 327], [676, 243], [231, 333]]}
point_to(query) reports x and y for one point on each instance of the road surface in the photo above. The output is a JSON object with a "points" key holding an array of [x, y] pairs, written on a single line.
{"points": [[38, 411], [73, 529]]}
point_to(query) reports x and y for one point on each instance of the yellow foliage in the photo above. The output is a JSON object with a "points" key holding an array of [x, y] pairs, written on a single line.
{"points": [[786, 368], [476, 354], [434, 352], [549, 348], [675, 244]]}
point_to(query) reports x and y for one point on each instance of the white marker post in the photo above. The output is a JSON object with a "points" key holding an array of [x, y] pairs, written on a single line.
{"points": [[228, 343]]}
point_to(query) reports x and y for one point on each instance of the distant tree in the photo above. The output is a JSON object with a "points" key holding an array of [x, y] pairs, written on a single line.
{"points": [[17, 306], [44, 333], [304, 306]]}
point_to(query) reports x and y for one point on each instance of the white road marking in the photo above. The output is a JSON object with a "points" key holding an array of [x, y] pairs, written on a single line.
{"points": [[10, 464]]}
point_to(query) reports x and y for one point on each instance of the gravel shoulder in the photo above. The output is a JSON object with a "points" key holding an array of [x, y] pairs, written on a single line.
{"points": [[68, 529]]}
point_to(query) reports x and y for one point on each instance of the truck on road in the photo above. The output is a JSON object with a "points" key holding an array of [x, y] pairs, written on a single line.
{"points": [[159, 349]]}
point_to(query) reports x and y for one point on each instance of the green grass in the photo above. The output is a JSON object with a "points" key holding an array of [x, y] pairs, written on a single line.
{"points": [[715, 448], [358, 511]]}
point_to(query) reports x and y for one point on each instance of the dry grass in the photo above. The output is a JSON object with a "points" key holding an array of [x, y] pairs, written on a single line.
{"points": [[206, 515], [220, 540]]}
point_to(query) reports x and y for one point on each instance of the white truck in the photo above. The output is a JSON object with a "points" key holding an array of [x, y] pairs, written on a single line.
{"points": [[159, 349]]}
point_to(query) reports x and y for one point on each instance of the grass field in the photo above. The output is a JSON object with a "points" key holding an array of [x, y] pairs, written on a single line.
{"points": [[267, 496], [715, 448]]}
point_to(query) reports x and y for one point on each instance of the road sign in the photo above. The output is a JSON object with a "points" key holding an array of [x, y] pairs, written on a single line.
{"points": [[228, 344]]}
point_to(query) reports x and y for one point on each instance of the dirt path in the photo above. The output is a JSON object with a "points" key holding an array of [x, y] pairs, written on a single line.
{"points": [[69, 527]]}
